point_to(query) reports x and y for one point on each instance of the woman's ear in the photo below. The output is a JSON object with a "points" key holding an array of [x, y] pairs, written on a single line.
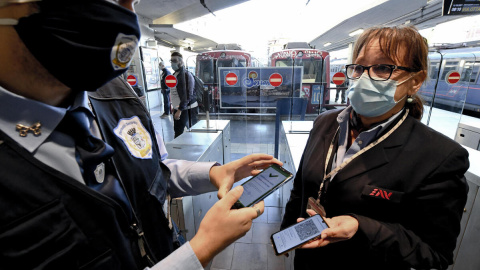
{"points": [[417, 81]]}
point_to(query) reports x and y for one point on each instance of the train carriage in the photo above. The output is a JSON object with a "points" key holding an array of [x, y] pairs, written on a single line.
{"points": [[207, 64], [316, 72]]}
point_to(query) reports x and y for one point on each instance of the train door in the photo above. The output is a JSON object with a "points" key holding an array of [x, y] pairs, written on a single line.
{"points": [[205, 70]]}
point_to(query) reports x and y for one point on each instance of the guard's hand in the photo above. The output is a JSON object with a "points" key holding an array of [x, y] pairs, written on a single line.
{"points": [[224, 176], [222, 225], [341, 228]]}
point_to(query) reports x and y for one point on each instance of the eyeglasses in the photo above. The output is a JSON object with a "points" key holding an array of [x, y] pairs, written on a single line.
{"points": [[380, 72]]}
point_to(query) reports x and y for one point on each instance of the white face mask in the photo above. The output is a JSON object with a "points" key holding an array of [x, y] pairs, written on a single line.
{"points": [[373, 98]]}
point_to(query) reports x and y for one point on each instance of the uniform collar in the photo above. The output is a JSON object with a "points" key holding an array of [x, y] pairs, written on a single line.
{"points": [[16, 109]]}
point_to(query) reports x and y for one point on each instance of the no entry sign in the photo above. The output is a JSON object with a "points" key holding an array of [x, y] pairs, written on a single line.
{"points": [[171, 81], [231, 78], [338, 78], [452, 77], [132, 80], [275, 79]]}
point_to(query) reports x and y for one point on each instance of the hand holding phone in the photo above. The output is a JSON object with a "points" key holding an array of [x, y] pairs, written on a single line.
{"points": [[298, 234], [341, 228], [262, 185]]}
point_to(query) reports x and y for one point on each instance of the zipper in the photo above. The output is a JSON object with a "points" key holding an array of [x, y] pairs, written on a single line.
{"points": [[141, 244]]}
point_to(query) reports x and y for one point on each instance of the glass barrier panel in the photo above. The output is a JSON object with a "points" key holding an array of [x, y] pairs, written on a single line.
{"points": [[445, 90]]}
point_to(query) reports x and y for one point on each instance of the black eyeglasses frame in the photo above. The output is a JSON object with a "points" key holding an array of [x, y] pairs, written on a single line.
{"points": [[392, 68]]}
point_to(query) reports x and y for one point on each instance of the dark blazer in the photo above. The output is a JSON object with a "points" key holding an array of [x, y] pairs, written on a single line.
{"points": [[408, 194]]}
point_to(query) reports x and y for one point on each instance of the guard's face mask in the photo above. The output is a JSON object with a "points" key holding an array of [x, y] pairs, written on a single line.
{"points": [[84, 44]]}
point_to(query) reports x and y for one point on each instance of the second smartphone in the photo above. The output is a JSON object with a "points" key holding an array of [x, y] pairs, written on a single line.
{"points": [[298, 234], [262, 185]]}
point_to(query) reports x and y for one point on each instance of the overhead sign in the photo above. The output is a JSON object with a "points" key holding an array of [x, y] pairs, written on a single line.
{"points": [[275, 79], [231, 78], [171, 81], [339, 78], [460, 7], [452, 77], [132, 80]]}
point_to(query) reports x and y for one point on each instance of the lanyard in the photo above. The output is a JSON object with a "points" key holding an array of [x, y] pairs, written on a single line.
{"points": [[346, 162]]}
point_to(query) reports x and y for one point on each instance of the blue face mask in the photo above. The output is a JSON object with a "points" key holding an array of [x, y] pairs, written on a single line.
{"points": [[373, 98]]}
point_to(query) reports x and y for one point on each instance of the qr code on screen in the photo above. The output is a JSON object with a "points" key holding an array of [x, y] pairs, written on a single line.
{"points": [[306, 229]]}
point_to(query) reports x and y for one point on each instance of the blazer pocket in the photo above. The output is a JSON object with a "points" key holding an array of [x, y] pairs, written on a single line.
{"points": [[158, 187], [383, 194], [46, 238]]}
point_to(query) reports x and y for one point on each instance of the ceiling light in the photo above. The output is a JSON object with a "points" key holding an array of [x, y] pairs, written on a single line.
{"points": [[188, 41], [327, 44], [356, 32]]}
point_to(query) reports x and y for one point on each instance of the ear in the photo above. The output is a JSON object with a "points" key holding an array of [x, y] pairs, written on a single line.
{"points": [[417, 81]]}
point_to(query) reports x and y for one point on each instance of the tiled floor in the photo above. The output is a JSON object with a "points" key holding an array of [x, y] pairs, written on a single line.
{"points": [[253, 251]]}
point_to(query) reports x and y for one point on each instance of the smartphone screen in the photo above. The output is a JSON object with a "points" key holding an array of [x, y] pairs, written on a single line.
{"points": [[262, 185], [298, 234]]}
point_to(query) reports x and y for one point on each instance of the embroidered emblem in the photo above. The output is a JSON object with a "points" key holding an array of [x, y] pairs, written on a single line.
{"points": [[136, 138], [100, 173], [123, 50], [35, 129], [382, 193]]}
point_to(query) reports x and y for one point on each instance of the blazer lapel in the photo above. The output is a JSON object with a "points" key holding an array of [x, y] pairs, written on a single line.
{"points": [[376, 156]]}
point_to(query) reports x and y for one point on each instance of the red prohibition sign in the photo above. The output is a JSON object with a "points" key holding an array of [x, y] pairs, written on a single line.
{"points": [[132, 80], [231, 78], [171, 81], [276, 79], [338, 78], [452, 77]]}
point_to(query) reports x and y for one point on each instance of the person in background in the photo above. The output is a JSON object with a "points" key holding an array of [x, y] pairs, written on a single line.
{"points": [[85, 182], [165, 89], [341, 91], [393, 190], [185, 106]]}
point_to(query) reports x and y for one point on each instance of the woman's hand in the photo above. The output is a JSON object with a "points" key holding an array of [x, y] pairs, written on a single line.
{"points": [[341, 228], [224, 176]]}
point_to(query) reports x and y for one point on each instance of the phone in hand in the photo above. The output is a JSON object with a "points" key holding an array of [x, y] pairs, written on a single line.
{"points": [[298, 234], [261, 185]]}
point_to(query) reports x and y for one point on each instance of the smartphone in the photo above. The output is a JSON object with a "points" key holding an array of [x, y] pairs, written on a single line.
{"points": [[298, 234], [261, 185]]}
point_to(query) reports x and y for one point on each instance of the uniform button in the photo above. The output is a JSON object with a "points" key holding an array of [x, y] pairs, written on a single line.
{"points": [[360, 142]]}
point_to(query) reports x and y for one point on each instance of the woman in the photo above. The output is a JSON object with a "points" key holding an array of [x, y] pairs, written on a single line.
{"points": [[393, 189]]}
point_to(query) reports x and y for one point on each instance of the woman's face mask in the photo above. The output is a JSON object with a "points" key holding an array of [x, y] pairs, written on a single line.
{"points": [[84, 44], [373, 98]]}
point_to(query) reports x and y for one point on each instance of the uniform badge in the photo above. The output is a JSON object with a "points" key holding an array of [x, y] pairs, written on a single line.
{"points": [[135, 136], [123, 50], [100, 173]]}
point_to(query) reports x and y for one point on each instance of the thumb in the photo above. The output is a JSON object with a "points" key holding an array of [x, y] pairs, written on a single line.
{"points": [[222, 191], [233, 196]]}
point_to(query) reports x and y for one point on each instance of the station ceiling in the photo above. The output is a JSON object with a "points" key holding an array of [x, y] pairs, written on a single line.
{"points": [[165, 13]]}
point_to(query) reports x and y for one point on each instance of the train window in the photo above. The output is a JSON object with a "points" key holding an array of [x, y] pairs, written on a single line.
{"points": [[466, 72], [206, 70], [284, 63], [449, 66], [320, 71], [469, 72], [309, 69], [433, 72]]}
